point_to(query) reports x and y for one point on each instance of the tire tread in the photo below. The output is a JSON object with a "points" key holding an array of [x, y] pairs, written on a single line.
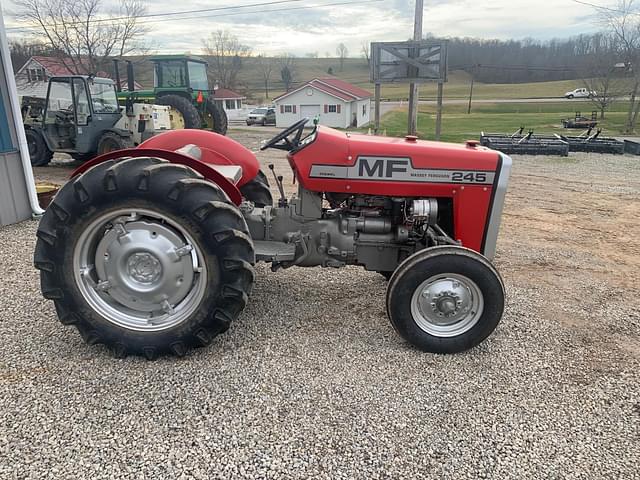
{"points": [[223, 233]]}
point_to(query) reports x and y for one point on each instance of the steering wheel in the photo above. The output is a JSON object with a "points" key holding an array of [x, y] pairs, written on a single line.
{"points": [[283, 137], [64, 116]]}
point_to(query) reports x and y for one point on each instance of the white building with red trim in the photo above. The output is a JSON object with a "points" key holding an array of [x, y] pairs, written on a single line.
{"points": [[230, 102], [32, 78], [336, 102]]}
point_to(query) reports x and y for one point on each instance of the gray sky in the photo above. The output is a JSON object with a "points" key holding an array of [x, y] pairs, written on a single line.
{"points": [[320, 29]]}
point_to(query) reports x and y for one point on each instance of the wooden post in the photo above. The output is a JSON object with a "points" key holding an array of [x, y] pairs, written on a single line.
{"points": [[470, 94], [439, 110], [377, 107], [413, 87]]}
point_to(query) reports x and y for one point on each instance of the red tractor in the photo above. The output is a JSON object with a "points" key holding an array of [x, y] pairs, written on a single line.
{"points": [[152, 250]]}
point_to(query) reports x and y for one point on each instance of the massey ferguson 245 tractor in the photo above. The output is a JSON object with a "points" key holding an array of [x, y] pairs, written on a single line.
{"points": [[152, 250]]}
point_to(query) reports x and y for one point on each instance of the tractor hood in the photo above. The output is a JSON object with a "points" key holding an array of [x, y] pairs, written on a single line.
{"points": [[470, 178], [333, 154]]}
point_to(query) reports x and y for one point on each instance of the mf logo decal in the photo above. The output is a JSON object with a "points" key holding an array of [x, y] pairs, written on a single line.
{"points": [[381, 167], [399, 170]]}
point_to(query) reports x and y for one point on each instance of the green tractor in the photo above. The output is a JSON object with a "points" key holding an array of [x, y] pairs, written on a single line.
{"points": [[180, 82]]}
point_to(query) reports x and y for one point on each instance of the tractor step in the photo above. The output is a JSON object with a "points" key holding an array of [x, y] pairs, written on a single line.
{"points": [[267, 251]]}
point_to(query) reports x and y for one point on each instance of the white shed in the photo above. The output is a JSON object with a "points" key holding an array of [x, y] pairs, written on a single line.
{"points": [[336, 102], [230, 102]]}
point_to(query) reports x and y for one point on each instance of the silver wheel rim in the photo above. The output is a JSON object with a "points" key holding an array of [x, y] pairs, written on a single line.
{"points": [[447, 305], [139, 270]]}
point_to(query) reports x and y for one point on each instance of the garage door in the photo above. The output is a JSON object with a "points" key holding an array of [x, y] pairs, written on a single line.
{"points": [[309, 111]]}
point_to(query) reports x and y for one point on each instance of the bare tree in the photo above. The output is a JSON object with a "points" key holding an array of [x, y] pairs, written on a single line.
{"points": [[342, 52], [623, 24], [364, 48], [22, 50], [600, 75], [129, 28], [226, 53], [287, 70], [266, 66], [83, 33]]}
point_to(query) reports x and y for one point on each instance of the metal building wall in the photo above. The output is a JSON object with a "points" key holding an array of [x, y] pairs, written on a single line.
{"points": [[14, 198]]}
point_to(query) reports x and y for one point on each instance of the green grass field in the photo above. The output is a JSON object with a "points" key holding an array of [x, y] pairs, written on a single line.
{"points": [[458, 126], [356, 71]]}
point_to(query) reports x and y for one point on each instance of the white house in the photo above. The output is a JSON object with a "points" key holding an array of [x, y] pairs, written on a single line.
{"points": [[230, 102], [32, 78], [336, 102]]}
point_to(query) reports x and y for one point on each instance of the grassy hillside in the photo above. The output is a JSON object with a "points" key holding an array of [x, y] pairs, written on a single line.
{"points": [[356, 71], [458, 126]]}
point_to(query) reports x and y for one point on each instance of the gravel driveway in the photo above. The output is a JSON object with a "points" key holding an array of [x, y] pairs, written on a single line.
{"points": [[313, 382]]}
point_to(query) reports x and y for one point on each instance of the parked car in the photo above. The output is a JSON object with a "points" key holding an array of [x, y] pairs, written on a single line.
{"points": [[262, 116], [580, 93]]}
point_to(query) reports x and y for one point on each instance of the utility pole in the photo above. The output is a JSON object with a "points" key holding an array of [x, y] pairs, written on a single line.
{"points": [[439, 111], [413, 87], [377, 107], [471, 90]]}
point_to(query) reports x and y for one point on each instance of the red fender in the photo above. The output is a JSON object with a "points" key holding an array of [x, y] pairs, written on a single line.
{"points": [[174, 157], [216, 149]]}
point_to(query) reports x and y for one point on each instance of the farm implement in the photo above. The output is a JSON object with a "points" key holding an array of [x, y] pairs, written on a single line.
{"points": [[554, 144]]}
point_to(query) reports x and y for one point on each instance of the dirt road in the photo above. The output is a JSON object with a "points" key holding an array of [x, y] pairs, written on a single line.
{"points": [[312, 382]]}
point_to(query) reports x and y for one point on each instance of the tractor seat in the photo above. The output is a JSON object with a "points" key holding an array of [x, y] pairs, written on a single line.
{"points": [[233, 173]]}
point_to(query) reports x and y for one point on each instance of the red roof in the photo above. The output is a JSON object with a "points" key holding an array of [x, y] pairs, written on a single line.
{"points": [[226, 94], [55, 66], [346, 87], [335, 87]]}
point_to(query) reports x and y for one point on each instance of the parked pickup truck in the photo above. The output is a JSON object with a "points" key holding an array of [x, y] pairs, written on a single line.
{"points": [[580, 93]]}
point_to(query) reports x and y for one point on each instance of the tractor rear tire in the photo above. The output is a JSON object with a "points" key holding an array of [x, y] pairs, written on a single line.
{"points": [[145, 257], [445, 299], [110, 142], [184, 107], [216, 118], [38, 151], [257, 191]]}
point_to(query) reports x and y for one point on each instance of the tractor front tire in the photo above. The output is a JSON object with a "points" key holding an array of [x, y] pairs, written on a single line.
{"points": [[183, 106], [38, 151], [145, 257], [257, 191], [445, 299], [216, 118], [110, 142]]}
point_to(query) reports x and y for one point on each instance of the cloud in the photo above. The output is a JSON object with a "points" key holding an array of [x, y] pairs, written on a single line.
{"points": [[284, 27]]}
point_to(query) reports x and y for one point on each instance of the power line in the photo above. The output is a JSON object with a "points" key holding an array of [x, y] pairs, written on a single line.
{"points": [[289, 9], [176, 14], [164, 14], [602, 7]]}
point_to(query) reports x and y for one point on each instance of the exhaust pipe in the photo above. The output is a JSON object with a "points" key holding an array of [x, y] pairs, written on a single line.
{"points": [[116, 73], [130, 82]]}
